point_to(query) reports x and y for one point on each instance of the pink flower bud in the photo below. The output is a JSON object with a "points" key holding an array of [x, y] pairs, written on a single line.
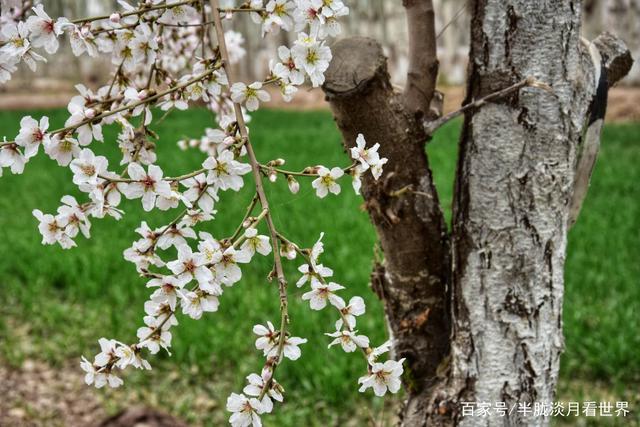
{"points": [[294, 186], [115, 17], [90, 113]]}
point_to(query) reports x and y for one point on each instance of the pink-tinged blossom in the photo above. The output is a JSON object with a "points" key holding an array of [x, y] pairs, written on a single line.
{"points": [[148, 185], [32, 135], [44, 30], [190, 265]]}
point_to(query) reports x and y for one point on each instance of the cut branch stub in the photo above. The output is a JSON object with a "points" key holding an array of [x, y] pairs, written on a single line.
{"points": [[356, 62], [616, 56], [403, 205]]}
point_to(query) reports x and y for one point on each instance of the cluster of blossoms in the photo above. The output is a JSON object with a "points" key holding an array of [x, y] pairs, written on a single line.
{"points": [[166, 59]]}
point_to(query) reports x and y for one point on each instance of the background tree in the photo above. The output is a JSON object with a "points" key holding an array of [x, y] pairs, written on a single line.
{"points": [[477, 310]]}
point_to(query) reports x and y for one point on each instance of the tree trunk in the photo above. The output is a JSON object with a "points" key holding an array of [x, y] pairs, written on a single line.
{"points": [[479, 314], [403, 205]]}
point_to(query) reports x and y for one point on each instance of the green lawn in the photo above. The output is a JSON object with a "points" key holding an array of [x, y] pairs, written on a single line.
{"points": [[56, 304]]}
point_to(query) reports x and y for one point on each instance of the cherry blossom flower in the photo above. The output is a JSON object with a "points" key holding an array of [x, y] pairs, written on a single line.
{"points": [[383, 376], [198, 191], [321, 293], [81, 120], [146, 185], [245, 410], [196, 303], [154, 335], [16, 39], [8, 66], [379, 351], [181, 14], [348, 340], [294, 186], [175, 236], [44, 30], [225, 172], [311, 56], [72, 214], [376, 170], [314, 274], [366, 157], [128, 356], [82, 41], [99, 377], [291, 349], [32, 134], [62, 149], [267, 337], [257, 383], [11, 156], [281, 13], [234, 42], [255, 243], [326, 182], [107, 352], [167, 292], [287, 69], [227, 268], [249, 95], [52, 230], [349, 312], [87, 167], [190, 265]]}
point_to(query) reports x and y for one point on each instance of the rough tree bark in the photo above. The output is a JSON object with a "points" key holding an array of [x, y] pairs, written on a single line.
{"points": [[478, 314]]}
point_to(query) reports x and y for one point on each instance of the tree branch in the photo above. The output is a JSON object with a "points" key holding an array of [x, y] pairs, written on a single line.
{"points": [[431, 126], [612, 61], [423, 61], [264, 202]]}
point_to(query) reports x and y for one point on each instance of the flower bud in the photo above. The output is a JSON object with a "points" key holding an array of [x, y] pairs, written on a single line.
{"points": [[115, 17], [294, 186], [90, 113], [273, 175]]}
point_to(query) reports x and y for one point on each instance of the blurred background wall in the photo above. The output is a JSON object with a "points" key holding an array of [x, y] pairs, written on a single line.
{"points": [[381, 19]]}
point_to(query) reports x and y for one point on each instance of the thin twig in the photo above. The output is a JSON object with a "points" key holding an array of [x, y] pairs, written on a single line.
{"points": [[255, 167], [431, 126]]}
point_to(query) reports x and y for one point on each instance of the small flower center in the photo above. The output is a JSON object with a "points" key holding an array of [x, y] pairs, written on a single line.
{"points": [[88, 170]]}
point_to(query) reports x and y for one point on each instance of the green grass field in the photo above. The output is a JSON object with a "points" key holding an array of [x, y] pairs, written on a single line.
{"points": [[56, 304]]}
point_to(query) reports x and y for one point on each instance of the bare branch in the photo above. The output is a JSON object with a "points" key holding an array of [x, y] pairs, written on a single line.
{"points": [[423, 61], [431, 126]]}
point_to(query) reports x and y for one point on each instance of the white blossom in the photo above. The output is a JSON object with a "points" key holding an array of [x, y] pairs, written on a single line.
{"points": [[382, 377], [314, 274], [87, 167], [154, 335], [196, 303], [44, 30], [146, 185], [249, 95], [349, 312], [321, 293], [225, 172], [255, 243], [190, 265], [246, 411], [326, 181], [257, 384], [349, 340]]}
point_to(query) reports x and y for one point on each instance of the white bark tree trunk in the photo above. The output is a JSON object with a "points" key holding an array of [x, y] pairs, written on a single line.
{"points": [[501, 340]]}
